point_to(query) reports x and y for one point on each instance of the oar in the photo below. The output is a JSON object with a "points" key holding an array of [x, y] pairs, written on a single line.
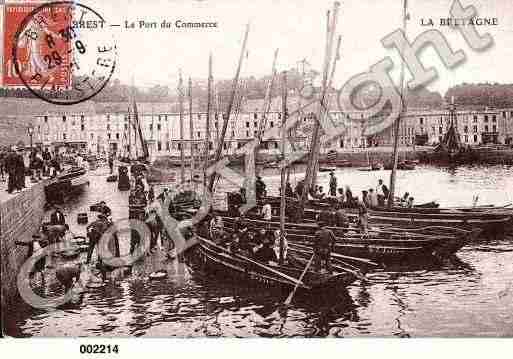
{"points": [[291, 295]]}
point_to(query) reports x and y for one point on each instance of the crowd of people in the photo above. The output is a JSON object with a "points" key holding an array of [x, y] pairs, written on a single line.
{"points": [[262, 245], [41, 163]]}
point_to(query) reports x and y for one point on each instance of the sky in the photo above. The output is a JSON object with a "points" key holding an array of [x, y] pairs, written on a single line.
{"points": [[298, 29]]}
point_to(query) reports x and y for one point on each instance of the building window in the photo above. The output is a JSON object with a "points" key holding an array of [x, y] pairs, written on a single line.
{"points": [[475, 138], [474, 128], [341, 143], [108, 136], [108, 127], [486, 118], [486, 128], [159, 146], [440, 130], [272, 124], [158, 127], [159, 118], [63, 118], [465, 129], [247, 133], [255, 124], [233, 133], [108, 117], [117, 136], [63, 136], [279, 116], [92, 136], [503, 113], [421, 120], [82, 127], [494, 128], [167, 145], [466, 138], [216, 116], [475, 118], [199, 116], [199, 134], [126, 126], [255, 116], [46, 119], [255, 133], [494, 118], [247, 124], [151, 126]]}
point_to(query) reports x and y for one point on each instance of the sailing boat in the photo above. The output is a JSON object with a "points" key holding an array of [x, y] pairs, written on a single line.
{"points": [[234, 262]]}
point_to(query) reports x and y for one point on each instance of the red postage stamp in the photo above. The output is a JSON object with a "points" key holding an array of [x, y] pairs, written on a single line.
{"points": [[32, 56]]}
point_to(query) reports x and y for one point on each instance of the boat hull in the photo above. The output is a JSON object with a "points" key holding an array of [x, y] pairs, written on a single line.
{"points": [[214, 260]]}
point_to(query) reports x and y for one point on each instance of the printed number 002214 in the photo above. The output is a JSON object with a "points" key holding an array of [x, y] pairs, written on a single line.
{"points": [[98, 349]]}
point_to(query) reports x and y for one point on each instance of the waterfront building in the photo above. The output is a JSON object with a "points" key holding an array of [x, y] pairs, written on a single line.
{"points": [[107, 128]]}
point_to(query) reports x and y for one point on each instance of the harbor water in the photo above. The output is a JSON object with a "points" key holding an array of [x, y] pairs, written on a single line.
{"points": [[468, 295]]}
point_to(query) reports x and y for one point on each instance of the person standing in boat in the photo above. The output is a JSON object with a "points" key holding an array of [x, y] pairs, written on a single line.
{"points": [[373, 198], [363, 217], [341, 196], [323, 246], [299, 188], [349, 197], [382, 192], [288, 190], [260, 188], [409, 204], [267, 212], [333, 184]]}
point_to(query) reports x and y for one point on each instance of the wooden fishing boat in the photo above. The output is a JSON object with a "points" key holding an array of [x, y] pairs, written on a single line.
{"points": [[383, 245], [69, 181], [219, 261], [489, 221], [327, 169]]}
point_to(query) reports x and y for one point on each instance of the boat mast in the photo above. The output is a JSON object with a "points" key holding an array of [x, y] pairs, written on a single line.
{"points": [[129, 133], [220, 143], [191, 127], [397, 123], [139, 131], [284, 171], [250, 159], [314, 146], [207, 123], [180, 104]]}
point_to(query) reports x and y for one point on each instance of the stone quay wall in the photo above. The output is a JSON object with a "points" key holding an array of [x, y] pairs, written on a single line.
{"points": [[20, 218]]}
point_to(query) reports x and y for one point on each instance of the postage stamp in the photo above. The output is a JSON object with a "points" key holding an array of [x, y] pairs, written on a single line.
{"points": [[63, 52]]}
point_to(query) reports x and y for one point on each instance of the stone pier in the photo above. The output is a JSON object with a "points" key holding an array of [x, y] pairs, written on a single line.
{"points": [[20, 218]]}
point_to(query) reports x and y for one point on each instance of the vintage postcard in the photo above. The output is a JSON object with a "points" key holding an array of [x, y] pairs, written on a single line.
{"points": [[242, 169]]}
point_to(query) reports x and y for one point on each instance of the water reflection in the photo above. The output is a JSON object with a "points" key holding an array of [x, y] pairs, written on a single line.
{"points": [[471, 294]]}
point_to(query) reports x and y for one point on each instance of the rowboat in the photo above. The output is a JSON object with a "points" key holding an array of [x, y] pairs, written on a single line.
{"points": [[390, 245], [489, 220], [69, 181], [327, 169], [219, 261]]}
